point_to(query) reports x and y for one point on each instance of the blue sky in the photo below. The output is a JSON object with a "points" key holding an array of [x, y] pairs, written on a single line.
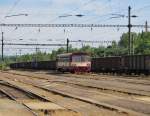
{"points": [[48, 11]]}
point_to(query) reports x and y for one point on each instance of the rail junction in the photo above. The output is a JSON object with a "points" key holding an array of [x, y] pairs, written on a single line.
{"points": [[45, 93]]}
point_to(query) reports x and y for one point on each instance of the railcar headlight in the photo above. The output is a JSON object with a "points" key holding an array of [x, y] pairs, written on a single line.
{"points": [[88, 64], [73, 64]]}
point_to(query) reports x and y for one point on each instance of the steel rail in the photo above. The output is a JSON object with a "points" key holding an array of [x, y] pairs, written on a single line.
{"points": [[13, 98]]}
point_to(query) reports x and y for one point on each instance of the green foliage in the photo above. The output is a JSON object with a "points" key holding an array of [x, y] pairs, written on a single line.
{"points": [[141, 42], [124, 41], [4, 65]]}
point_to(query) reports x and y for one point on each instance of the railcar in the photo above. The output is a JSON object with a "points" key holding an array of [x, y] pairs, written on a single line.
{"points": [[40, 65], [73, 62], [136, 64], [106, 64]]}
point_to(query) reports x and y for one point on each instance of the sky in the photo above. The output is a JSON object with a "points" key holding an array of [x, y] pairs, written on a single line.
{"points": [[48, 12]]}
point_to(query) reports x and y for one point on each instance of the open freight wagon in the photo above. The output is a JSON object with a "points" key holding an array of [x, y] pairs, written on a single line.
{"points": [[136, 64]]}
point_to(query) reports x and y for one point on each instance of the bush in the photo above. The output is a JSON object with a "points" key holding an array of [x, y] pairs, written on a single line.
{"points": [[3, 66]]}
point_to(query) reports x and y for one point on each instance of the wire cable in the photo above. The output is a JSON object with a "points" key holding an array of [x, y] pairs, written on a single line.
{"points": [[13, 7], [69, 13], [140, 9]]}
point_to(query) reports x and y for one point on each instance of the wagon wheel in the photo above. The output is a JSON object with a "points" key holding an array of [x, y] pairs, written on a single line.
{"points": [[77, 70]]}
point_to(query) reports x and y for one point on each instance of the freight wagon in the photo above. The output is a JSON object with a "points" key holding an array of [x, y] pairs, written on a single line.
{"points": [[136, 64], [106, 64], [40, 65]]}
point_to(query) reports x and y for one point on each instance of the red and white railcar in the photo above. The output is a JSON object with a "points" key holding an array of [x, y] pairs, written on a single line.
{"points": [[74, 62]]}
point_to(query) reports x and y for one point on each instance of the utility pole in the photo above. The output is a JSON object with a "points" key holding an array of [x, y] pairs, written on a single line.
{"points": [[16, 57], [20, 51], [2, 46], [132, 43], [19, 54], [146, 26], [129, 27], [36, 53], [67, 45], [82, 44]]}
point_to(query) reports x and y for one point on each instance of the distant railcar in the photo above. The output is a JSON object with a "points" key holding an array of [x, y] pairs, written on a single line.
{"points": [[40, 65], [74, 62], [136, 64], [106, 64]]}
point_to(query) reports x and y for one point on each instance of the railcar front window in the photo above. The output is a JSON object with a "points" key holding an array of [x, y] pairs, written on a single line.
{"points": [[76, 59], [85, 58], [81, 58], [63, 59]]}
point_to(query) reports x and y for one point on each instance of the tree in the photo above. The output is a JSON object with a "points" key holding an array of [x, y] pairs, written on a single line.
{"points": [[124, 39], [143, 43]]}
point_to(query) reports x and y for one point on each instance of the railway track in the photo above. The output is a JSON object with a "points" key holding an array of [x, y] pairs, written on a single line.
{"points": [[126, 79], [18, 94], [15, 94], [121, 87], [99, 99], [87, 109], [133, 79], [12, 108], [30, 101]]}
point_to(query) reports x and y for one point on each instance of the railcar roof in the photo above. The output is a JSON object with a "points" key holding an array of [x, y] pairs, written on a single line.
{"points": [[65, 54], [110, 57], [76, 53]]}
